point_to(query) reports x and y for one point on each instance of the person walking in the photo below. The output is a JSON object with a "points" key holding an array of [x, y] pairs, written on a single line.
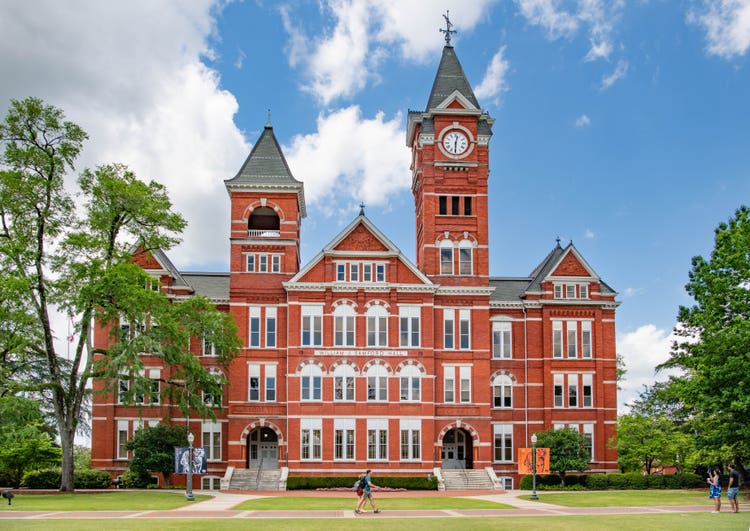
{"points": [[714, 489], [733, 489], [366, 495], [360, 488]]}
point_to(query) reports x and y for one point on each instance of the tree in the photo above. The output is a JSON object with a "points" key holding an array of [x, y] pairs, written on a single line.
{"points": [[153, 449], [644, 442], [713, 351], [74, 255], [567, 450]]}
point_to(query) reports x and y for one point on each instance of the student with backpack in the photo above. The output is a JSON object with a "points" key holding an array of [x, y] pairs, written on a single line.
{"points": [[366, 485]]}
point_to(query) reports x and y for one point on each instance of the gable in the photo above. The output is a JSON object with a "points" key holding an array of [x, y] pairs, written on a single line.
{"points": [[570, 266], [316, 273], [360, 239], [455, 104], [145, 260]]}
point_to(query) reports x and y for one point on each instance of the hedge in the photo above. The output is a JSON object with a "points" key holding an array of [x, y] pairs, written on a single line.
{"points": [[330, 482], [91, 479], [618, 481], [43, 479], [52, 478]]}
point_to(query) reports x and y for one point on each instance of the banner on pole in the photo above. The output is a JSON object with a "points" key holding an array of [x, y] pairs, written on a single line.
{"points": [[525, 461], [182, 458]]}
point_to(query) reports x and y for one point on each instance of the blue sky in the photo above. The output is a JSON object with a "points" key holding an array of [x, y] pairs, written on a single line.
{"points": [[622, 126]]}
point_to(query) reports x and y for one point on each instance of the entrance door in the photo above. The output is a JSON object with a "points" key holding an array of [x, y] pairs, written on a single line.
{"points": [[456, 446], [262, 449]]}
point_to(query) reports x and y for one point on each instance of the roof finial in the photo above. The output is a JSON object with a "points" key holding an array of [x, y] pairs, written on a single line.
{"points": [[268, 118], [448, 28], [558, 241], [362, 208]]}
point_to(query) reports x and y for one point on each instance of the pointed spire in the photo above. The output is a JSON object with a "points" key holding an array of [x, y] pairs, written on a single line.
{"points": [[450, 78]]}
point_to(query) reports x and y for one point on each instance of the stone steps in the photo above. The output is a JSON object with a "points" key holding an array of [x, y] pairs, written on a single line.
{"points": [[467, 480], [253, 479]]}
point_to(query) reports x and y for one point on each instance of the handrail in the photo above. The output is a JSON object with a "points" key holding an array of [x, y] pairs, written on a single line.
{"points": [[263, 233]]}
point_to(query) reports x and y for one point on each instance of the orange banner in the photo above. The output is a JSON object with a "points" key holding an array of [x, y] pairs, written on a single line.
{"points": [[525, 461]]}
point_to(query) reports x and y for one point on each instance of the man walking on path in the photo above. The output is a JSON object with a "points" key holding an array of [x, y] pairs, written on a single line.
{"points": [[733, 489], [366, 495]]}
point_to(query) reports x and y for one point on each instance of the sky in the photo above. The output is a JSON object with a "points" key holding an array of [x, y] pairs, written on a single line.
{"points": [[620, 126]]}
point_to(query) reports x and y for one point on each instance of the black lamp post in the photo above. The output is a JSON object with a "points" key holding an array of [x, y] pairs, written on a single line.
{"points": [[189, 489], [533, 468]]}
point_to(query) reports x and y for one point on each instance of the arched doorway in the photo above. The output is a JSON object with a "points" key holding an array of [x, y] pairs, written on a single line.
{"points": [[262, 449], [457, 449]]}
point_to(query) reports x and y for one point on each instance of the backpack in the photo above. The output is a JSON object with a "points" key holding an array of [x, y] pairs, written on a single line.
{"points": [[356, 485], [362, 483]]}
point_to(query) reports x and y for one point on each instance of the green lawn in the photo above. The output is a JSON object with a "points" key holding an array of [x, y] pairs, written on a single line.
{"points": [[284, 503], [667, 522], [627, 498], [109, 501]]}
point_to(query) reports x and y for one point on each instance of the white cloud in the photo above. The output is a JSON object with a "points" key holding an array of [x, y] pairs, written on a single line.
{"points": [[342, 62], [631, 292], [619, 72], [350, 157], [598, 16], [589, 234], [642, 350], [131, 75], [727, 25], [583, 121], [494, 82]]}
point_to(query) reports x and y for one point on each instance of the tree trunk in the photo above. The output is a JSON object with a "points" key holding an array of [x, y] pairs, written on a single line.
{"points": [[67, 440]]}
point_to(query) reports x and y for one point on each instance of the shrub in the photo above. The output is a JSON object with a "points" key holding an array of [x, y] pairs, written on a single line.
{"points": [[654, 481], [135, 480], [332, 482], [6, 479], [43, 479], [691, 481], [91, 479], [578, 479], [597, 482], [526, 483], [549, 480]]}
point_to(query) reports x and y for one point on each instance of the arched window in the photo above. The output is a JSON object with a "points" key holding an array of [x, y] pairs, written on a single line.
{"points": [[311, 378], [377, 326], [502, 391], [343, 326], [465, 258], [410, 379], [343, 382], [263, 219], [446, 257], [377, 383]]}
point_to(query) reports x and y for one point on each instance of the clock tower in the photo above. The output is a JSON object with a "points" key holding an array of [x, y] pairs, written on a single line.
{"points": [[450, 166]]}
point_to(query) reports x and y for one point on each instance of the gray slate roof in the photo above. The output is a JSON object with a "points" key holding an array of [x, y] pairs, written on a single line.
{"points": [[215, 286], [266, 164], [449, 78]]}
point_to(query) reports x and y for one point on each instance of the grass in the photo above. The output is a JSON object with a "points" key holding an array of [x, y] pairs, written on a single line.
{"points": [[629, 498], [284, 503], [667, 522], [105, 501]]}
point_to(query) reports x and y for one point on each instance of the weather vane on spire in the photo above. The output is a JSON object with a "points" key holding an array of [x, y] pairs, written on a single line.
{"points": [[362, 208], [268, 118], [448, 26]]}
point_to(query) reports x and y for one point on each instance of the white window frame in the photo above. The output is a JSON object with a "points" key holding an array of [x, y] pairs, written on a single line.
{"points": [[341, 272], [344, 378], [211, 440], [572, 339], [446, 257], [558, 393], [122, 439], [586, 340], [502, 340], [377, 383], [275, 263], [502, 442], [449, 384], [464, 329], [250, 263], [377, 439], [253, 382], [344, 443], [270, 382], [558, 291], [587, 390], [570, 291], [353, 272], [409, 326], [312, 325], [449, 329], [271, 322], [588, 434], [311, 383], [410, 439], [557, 339], [344, 326], [464, 384], [310, 440], [583, 291], [379, 272], [377, 326], [502, 392], [465, 258], [253, 327], [262, 263], [410, 379], [573, 400], [366, 272]]}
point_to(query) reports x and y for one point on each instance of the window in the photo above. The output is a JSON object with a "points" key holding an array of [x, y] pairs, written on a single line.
{"points": [[354, 272], [208, 348], [449, 384], [312, 326], [366, 272], [379, 272], [122, 439], [572, 327], [251, 263], [455, 205], [467, 206], [270, 383], [254, 327], [410, 439], [212, 440], [559, 383], [558, 291], [343, 439], [123, 386], [586, 339], [584, 291], [464, 326], [572, 390], [409, 379], [310, 439], [343, 383], [343, 326], [262, 263], [340, 272], [588, 390], [210, 399], [377, 326], [465, 257], [409, 326], [570, 291], [443, 205], [503, 442], [253, 382], [588, 437], [502, 391], [448, 329], [502, 340], [377, 439], [154, 391], [464, 383], [377, 383], [446, 257], [310, 382], [271, 327], [275, 263], [557, 339]]}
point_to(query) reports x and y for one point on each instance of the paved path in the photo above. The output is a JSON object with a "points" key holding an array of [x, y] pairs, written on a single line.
{"points": [[220, 506]]}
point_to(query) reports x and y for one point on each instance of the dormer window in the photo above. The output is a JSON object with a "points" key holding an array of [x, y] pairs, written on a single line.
{"points": [[571, 291], [360, 272]]}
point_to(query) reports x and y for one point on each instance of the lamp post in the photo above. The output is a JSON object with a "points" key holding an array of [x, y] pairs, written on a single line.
{"points": [[533, 467], [189, 489]]}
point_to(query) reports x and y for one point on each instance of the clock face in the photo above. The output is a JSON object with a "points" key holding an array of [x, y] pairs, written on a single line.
{"points": [[455, 142]]}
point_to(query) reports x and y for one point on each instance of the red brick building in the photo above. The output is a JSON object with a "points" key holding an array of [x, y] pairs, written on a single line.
{"points": [[362, 358]]}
